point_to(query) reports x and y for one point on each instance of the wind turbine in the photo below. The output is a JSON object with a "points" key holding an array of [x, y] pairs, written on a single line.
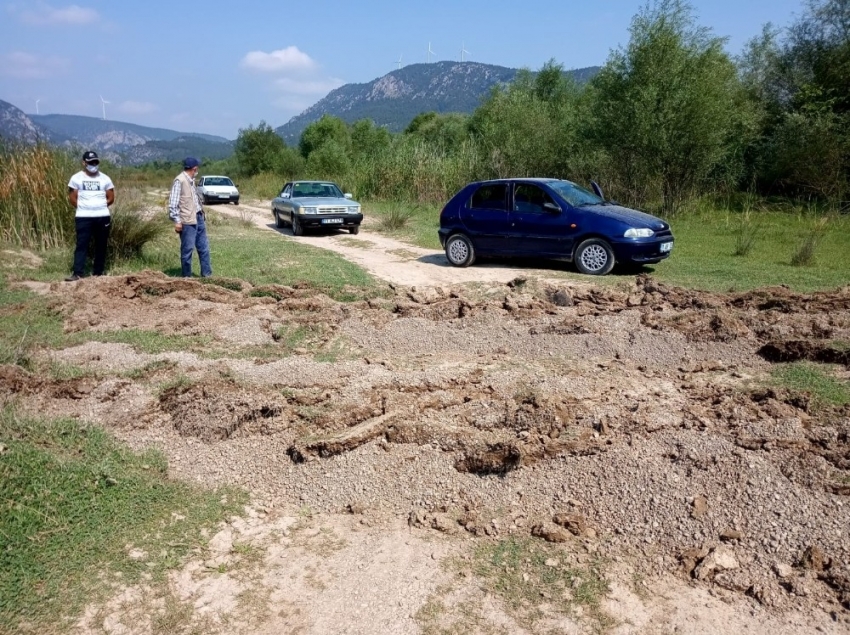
{"points": [[103, 103], [462, 52], [399, 60], [430, 52], [36, 105]]}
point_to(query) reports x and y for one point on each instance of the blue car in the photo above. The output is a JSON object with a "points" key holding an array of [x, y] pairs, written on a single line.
{"points": [[549, 218]]}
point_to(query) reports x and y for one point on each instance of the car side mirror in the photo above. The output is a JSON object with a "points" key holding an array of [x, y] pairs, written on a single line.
{"points": [[347, 195], [549, 206], [597, 190], [284, 194]]}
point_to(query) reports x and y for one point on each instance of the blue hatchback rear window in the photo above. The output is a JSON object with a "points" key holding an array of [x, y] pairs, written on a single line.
{"points": [[490, 197]]}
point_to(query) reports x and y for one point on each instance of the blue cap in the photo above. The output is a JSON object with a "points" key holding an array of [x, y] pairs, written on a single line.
{"points": [[190, 162]]}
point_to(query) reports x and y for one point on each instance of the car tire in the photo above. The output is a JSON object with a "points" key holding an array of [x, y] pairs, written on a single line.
{"points": [[277, 222], [297, 228], [355, 230], [594, 257], [459, 250], [236, 202]]}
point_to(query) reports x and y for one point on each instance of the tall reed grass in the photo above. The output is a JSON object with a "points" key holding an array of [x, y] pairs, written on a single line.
{"points": [[34, 208]]}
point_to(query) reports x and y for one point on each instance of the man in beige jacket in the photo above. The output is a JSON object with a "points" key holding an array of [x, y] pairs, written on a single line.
{"points": [[185, 209]]}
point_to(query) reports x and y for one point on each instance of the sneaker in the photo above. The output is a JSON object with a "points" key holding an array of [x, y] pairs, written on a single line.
{"points": [[72, 278]]}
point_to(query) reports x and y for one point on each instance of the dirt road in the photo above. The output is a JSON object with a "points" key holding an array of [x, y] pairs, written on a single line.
{"points": [[513, 456], [392, 260]]}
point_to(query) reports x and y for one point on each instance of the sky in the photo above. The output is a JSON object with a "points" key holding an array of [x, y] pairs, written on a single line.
{"points": [[217, 66]]}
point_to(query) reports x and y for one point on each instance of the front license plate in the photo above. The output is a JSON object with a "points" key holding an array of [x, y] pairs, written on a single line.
{"points": [[665, 247], [331, 221], [224, 195]]}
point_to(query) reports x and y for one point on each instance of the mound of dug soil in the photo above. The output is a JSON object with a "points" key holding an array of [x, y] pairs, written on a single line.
{"points": [[642, 421]]}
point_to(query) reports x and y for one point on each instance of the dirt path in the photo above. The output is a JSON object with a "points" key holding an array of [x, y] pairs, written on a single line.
{"points": [[520, 457], [393, 260]]}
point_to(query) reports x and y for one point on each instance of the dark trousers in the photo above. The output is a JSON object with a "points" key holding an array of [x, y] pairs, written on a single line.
{"points": [[87, 229]]}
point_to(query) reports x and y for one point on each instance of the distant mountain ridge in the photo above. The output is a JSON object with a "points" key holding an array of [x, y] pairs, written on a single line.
{"points": [[116, 141], [396, 98], [16, 126], [112, 133]]}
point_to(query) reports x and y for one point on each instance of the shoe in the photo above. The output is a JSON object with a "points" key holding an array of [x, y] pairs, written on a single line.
{"points": [[72, 278]]}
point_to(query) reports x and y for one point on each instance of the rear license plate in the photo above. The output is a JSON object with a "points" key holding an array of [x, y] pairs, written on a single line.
{"points": [[331, 221], [665, 247]]}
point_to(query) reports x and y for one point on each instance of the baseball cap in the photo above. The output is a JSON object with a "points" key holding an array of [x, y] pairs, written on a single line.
{"points": [[190, 162], [90, 157]]}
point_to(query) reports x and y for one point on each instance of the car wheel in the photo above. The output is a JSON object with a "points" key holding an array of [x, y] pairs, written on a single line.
{"points": [[459, 250], [355, 230], [277, 222], [594, 257], [297, 228], [236, 202]]}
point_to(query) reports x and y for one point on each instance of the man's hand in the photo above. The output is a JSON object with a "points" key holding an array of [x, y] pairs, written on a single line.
{"points": [[178, 227]]}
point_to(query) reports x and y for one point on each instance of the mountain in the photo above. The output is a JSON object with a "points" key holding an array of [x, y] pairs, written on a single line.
{"points": [[17, 127], [396, 98], [177, 149], [110, 135], [116, 141]]}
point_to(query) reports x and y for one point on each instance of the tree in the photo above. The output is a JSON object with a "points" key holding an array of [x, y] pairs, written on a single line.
{"points": [[530, 128], [669, 108], [367, 139], [259, 149], [802, 84], [445, 132], [326, 129]]}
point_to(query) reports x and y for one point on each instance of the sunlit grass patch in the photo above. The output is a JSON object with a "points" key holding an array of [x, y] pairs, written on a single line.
{"points": [[533, 578], [814, 379], [73, 502]]}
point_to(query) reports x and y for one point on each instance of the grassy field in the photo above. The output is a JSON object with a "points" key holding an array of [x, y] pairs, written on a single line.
{"points": [[238, 251], [71, 501]]}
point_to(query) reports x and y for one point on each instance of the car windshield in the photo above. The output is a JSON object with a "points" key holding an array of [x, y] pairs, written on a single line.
{"points": [[218, 180], [316, 190], [575, 195]]}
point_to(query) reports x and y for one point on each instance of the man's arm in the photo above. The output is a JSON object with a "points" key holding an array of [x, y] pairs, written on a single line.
{"points": [[174, 206], [72, 197], [110, 196]]}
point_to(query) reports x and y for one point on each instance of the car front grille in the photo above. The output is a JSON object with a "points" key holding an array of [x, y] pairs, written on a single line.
{"points": [[332, 209]]}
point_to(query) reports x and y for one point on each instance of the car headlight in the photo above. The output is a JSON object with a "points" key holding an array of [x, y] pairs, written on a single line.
{"points": [[354, 209], [309, 210], [639, 232]]}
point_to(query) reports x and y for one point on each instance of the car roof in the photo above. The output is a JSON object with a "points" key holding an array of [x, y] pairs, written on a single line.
{"points": [[215, 176], [533, 179]]}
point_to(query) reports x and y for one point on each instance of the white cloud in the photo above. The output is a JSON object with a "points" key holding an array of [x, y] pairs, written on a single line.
{"points": [[137, 107], [28, 66], [288, 59], [43, 14]]}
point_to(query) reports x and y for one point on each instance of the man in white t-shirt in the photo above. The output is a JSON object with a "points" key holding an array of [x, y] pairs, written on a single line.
{"points": [[91, 193]]}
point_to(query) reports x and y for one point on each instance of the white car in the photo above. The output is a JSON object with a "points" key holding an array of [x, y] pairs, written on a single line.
{"points": [[218, 189]]}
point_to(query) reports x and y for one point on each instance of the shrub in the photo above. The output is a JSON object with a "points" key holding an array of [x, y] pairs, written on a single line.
{"points": [[131, 228], [805, 254], [395, 219]]}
